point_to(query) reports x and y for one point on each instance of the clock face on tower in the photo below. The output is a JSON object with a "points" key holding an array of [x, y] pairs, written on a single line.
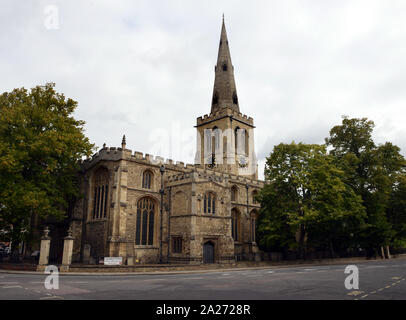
{"points": [[242, 162]]}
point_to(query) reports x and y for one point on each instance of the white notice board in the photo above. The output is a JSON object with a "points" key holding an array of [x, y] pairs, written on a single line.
{"points": [[113, 261]]}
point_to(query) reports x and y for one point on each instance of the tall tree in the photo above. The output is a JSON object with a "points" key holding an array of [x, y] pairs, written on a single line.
{"points": [[40, 146], [372, 171], [305, 199]]}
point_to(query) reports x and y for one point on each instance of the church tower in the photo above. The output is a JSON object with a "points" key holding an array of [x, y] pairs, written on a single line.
{"points": [[225, 137]]}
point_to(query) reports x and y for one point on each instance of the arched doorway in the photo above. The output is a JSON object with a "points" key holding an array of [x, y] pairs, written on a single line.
{"points": [[208, 252]]}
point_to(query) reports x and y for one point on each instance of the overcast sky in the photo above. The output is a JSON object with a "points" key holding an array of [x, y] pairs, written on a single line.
{"points": [[146, 68]]}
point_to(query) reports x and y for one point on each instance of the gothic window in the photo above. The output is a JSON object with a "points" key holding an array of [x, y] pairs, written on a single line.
{"points": [[241, 141], [235, 222], [224, 67], [236, 138], [100, 193], [144, 228], [246, 142], [235, 99], [209, 203], [147, 179], [215, 145], [234, 193], [177, 245]]}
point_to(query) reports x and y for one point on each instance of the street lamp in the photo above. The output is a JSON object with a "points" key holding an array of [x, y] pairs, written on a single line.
{"points": [[161, 191]]}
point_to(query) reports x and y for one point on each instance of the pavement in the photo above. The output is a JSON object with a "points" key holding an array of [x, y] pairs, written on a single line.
{"points": [[378, 280]]}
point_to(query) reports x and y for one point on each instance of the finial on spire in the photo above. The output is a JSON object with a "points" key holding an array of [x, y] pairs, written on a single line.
{"points": [[123, 143], [223, 16]]}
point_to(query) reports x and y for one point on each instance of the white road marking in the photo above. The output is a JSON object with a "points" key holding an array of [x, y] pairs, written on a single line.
{"points": [[310, 269], [373, 267], [9, 282], [270, 272], [78, 282], [53, 297], [9, 287]]}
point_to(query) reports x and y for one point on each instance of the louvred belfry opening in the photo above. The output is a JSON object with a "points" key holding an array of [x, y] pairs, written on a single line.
{"points": [[224, 91]]}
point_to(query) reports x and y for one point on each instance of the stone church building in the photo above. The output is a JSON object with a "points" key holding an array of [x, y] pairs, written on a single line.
{"points": [[150, 210]]}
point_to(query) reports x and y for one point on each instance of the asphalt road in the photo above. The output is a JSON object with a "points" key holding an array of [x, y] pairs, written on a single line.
{"points": [[378, 280]]}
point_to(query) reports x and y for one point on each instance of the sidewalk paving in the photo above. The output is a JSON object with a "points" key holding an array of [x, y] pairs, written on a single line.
{"points": [[204, 268]]}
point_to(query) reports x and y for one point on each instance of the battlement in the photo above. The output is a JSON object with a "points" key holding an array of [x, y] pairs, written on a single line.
{"points": [[212, 175], [228, 112], [116, 154]]}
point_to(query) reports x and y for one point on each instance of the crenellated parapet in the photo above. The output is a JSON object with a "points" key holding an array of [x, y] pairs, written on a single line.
{"points": [[223, 113], [117, 154], [200, 174]]}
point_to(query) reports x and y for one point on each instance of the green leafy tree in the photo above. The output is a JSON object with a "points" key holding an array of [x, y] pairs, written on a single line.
{"points": [[40, 146], [392, 174], [305, 201], [372, 171]]}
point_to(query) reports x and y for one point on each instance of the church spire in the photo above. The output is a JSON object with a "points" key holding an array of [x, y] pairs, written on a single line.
{"points": [[224, 92]]}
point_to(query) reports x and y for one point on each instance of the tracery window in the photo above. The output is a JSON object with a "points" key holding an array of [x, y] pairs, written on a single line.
{"points": [[144, 229], [210, 203], [100, 193], [177, 245], [147, 179]]}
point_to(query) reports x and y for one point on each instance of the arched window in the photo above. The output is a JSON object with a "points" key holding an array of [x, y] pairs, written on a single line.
{"points": [[144, 229], [225, 67], [215, 141], [210, 203], [234, 193], [246, 142], [253, 225], [235, 224], [236, 139], [240, 136], [147, 179], [100, 193]]}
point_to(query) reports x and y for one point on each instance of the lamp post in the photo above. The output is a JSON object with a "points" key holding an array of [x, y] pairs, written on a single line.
{"points": [[161, 191]]}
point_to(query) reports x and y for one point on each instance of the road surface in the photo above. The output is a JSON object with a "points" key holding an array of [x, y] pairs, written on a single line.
{"points": [[377, 280]]}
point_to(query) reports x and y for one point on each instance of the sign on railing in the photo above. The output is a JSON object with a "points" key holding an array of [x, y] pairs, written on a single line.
{"points": [[113, 261]]}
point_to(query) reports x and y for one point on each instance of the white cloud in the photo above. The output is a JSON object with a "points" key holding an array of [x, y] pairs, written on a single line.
{"points": [[140, 66]]}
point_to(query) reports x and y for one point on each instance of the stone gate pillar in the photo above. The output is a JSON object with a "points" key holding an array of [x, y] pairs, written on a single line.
{"points": [[44, 251], [67, 251]]}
